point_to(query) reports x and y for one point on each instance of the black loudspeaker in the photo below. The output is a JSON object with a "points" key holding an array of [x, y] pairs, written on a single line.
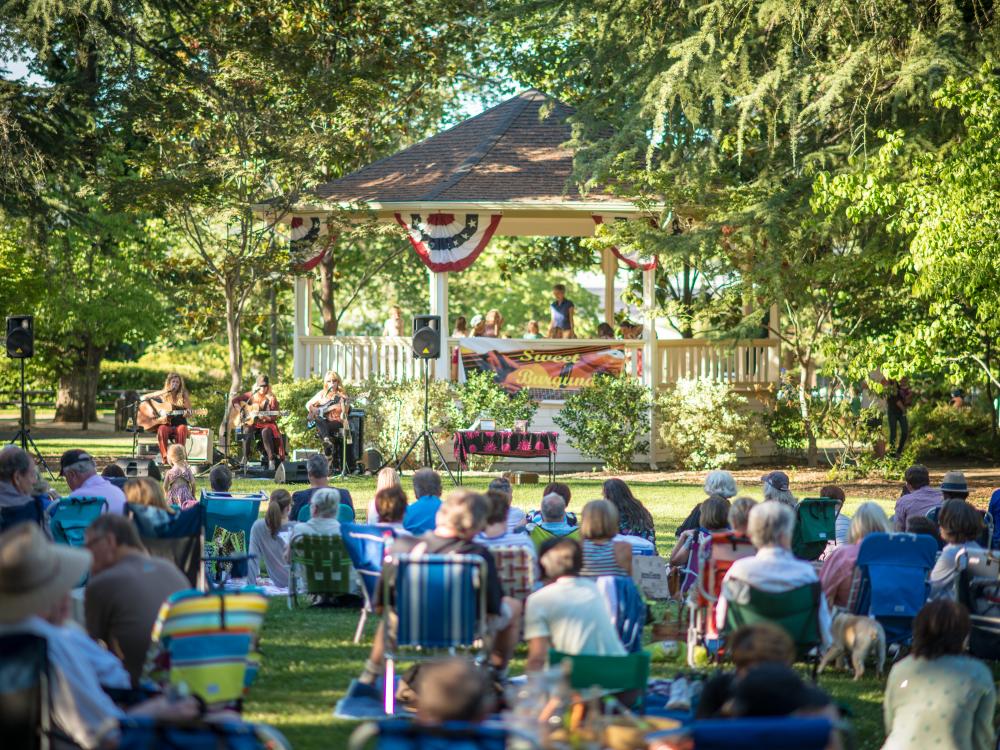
{"points": [[292, 472], [426, 336], [20, 340], [373, 460], [139, 467]]}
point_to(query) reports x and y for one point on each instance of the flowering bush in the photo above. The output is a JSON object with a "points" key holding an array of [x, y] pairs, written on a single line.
{"points": [[705, 424]]}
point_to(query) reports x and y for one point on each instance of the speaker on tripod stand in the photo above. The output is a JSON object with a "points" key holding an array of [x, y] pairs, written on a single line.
{"points": [[426, 347], [20, 345]]}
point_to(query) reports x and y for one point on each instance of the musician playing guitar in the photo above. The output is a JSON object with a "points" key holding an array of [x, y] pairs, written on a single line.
{"points": [[165, 412], [329, 409], [261, 412]]}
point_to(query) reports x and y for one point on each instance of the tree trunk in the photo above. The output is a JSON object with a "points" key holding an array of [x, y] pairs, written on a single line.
{"points": [[78, 388], [988, 361], [812, 451], [327, 287], [233, 334]]}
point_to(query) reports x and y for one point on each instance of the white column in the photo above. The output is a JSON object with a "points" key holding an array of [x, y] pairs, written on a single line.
{"points": [[774, 354], [439, 306], [609, 263], [650, 358], [301, 327]]}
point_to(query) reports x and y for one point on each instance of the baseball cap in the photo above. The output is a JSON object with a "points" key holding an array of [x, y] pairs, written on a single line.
{"points": [[73, 456], [777, 479]]}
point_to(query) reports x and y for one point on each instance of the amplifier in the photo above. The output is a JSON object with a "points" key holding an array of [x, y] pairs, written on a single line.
{"points": [[199, 445]]}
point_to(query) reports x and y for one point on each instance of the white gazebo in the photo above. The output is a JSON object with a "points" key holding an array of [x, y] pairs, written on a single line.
{"points": [[505, 172]]}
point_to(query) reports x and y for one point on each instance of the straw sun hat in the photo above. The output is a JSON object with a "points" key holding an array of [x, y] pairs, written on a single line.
{"points": [[34, 573]]}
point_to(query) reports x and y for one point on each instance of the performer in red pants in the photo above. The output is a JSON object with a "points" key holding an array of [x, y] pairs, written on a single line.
{"points": [[260, 416]]}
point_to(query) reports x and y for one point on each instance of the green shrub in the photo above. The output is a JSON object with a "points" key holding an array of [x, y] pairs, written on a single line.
{"points": [[481, 395], [783, 420], [608, 420], [942, 431], [704, 424]]}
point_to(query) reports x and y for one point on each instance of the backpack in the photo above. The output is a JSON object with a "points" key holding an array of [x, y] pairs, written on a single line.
{"points": [[815, 527]]}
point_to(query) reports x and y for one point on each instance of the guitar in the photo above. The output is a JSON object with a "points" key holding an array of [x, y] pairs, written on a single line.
{"points": [[149, 416], [252, 415], [331, 411]]}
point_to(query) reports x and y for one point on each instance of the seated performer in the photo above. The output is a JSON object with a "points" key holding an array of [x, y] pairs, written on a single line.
{"points": [[328, 409], [165, 412], [256, 420]]}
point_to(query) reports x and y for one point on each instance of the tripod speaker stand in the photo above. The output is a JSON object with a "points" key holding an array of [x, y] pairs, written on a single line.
{"points": [[23, 436]]}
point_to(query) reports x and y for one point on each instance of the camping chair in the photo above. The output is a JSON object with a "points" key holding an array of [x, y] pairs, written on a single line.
{"points": [[539, 536], [322, 564], [234, 514], [366, 547], [627, 609], [516, 568], [403, 734], [29, 512], [345, 513], [815, 527], [433, 602], [979, 591], [72, 516], [795, 610], [198, 734], [994, 513], [612, 674], [780, 733], [208, 642], [178, 537], [891, 581], [25, 717], [689, 572], [715, 560]]}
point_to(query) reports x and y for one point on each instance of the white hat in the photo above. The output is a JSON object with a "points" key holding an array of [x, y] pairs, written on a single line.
{"points": [[35, 573]]}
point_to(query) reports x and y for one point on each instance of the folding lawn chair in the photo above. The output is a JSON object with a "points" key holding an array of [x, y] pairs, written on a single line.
{"points": [[235, 515], [345, 513], [403, 734], [979, 591], [689, 573], [795, 610], [30, 512], [177, 537], [197, 734], [612, 674], [516, 568], [72, 516], [627, 609], [994, 513], [539, 535], [25, 713], [433, 602], [715, 560], [208, 642], [781, 733], [891, 581], [815, 527], [366, 546], [322, 564]]}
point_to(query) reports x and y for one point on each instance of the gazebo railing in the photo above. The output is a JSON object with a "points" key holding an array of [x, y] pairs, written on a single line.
{"points": [[740, 363]]}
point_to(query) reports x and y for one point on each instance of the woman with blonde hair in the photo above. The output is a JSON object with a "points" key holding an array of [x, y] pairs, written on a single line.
{"points": [[602, 555], [386, 478], [267, 543], [494, 324], [328, 409], [837, 573], [145, 492], [178, 482]]}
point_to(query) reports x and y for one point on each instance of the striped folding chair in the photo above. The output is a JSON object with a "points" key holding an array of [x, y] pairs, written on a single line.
{"points": [[439, 602], [366, 546], [208, 642], [321, 563]]}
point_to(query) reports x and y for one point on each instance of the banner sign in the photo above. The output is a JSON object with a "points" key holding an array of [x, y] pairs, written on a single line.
{"points": [[549, 373]]}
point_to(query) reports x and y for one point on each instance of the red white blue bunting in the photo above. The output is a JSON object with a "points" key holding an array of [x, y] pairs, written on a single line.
{"points": [[449, 242], [304, 234], [633, 259]]}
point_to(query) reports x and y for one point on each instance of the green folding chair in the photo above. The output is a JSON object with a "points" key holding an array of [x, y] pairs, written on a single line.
{"points": [[815, 527], [796, 611], [539, 535], [613, 674], [323, 565]]}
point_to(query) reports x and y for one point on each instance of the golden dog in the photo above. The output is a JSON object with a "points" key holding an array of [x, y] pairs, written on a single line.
{"points": [[856, 635]]}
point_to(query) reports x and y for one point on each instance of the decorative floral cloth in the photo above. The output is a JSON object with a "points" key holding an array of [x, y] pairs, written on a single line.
{"points": [[503, 443]]}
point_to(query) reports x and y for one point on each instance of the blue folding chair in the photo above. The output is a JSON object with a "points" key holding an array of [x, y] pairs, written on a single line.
{"points": [[178, 537], [439, 602], [403, 734], [993, 511], [72, 516], [29, 512], [778, 733], [235, 514], [628, 609], [892, 584], [366, 547], [198, 734]]}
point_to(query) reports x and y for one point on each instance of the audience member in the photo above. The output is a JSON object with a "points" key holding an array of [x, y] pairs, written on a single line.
{"points": [[493, 327], [633, 517], [774, 568], [532, 330], [125, 590], [453, 689], [114, 474], [390, 509], [924, 525], [17, 477], [393, 325], [178, 482], [937, 696], [421, 515], [516, 518], [776, 488], [713, 517], [266, 540], [36, 577], [602, 556], [563, 491], [747, 646], [318, 472], [80, 473], [497, 532], [719, 482], [220, 479], [605, 331], [562, 324], [552, 516], [771, 689], [147, 505], [918, 498], [478, 324], [739, 514], [461, 328], [387, 477], [961, 526], [843, 523], [569, 614], [630, 330], [837, 573], [954, 486], [323, 507], [461, 515]]}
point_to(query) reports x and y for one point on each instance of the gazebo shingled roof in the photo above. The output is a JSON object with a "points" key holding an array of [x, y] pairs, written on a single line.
{"points": [[513, 152]]}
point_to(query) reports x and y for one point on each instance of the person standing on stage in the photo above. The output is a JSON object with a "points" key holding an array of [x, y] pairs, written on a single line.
{"points": [[393, 325], [562, 324], [262, 399], [173, 397], [329, 409]]}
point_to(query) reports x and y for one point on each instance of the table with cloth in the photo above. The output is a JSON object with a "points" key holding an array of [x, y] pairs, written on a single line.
{"points": [[504, 444]]}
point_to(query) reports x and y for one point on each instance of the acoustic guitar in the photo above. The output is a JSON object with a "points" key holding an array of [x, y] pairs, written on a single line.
{"points": [[249, 416], [331, 411], [149, 415]]}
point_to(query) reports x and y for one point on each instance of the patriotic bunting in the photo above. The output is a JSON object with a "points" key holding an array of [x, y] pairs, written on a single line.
{"points": [[449, 242], [303, 233], [633, 259]]}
